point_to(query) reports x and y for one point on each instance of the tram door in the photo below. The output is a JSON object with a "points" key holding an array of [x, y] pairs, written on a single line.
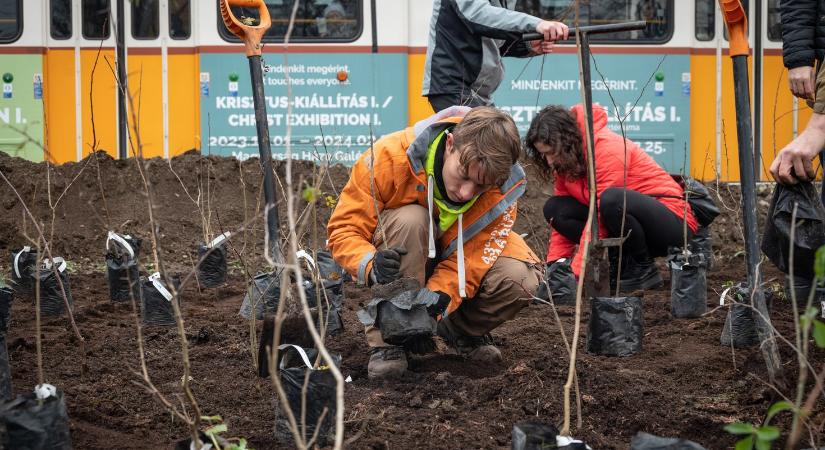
{"points": [[85, 109]]}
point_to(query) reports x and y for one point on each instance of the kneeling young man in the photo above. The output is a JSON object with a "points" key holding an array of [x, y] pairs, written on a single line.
{"points": [[446, 191]]}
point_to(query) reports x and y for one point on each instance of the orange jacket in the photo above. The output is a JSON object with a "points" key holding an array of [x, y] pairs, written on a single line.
{"points": [[400, 179], [644, 175]]}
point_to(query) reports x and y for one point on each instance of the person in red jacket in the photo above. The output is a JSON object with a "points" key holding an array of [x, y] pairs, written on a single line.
{"points": [[636, 198]]}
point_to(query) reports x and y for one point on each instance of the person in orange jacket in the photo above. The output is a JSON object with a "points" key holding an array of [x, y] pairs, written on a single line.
{"points": [[445, 191], [632, 191]]}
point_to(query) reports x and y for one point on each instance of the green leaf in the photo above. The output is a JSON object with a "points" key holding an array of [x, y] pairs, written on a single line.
{"points": [[310, 194], [739, 428], [778, 407], [745, 444], [763, 445], [819, 333], [767, 433], [212, 418], [819, 263], [216, 429]]}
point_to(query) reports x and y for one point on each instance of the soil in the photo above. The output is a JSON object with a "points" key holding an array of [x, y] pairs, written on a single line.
{"points": [[682, 384]]}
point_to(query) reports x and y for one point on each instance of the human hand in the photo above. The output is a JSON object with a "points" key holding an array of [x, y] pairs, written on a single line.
{"points": [[795, 161], [802, 81], [386, 265], [541, 47], [552, 31]]}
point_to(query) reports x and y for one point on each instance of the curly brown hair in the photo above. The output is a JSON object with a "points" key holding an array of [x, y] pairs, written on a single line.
{"points": [[556, 126]]}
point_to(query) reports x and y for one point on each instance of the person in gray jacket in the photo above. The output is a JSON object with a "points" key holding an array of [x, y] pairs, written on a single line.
{"points": [[468, 39]]}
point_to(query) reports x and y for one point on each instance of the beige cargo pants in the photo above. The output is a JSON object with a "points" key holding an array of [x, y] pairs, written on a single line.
{"points": [[499, 298]]}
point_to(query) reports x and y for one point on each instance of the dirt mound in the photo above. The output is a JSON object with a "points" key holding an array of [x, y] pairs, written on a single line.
{"points": [[682, 384]]}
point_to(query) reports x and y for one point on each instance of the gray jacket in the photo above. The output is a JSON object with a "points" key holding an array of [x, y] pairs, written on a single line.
{"points": [[467, 40]]}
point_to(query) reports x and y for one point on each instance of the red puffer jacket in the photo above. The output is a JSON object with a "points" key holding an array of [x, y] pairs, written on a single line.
{"points": [[643, 175]]}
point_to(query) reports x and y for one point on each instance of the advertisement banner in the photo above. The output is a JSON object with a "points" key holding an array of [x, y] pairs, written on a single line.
{"points": [[340, 102], [21, 106], [646, 94]]}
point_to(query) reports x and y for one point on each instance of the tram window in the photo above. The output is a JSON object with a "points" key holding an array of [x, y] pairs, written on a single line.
{"points": [[705, 17], [11, 20], [61, 19], [658, 14], [180, 22], [774, 22], [315, 20], [95, 19], [145, 19]]}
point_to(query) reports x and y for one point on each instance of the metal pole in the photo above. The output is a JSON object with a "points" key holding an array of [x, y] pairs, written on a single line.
{"points": [[123, 121], [593, 29]]}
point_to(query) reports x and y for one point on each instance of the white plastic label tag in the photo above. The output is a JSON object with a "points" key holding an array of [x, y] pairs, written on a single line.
{"points": [[120, 240], [217, 241], [44, 391], [155, 279], [300, 352], [302, 254], [723, 296], [25, 249], [61, 264]]}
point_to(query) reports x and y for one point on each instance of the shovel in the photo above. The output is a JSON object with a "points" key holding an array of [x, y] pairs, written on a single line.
{"points": [[251, 36], [737, 24]]}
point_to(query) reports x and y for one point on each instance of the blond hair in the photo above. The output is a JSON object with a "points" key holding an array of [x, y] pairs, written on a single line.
{"points": [[488, 137]]}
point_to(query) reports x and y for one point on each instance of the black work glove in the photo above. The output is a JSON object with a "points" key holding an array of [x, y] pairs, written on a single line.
{"points": [[438, 308], [386, 266]]}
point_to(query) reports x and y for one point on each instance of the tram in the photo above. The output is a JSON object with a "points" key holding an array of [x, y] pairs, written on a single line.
{"points": [[352, 71]]}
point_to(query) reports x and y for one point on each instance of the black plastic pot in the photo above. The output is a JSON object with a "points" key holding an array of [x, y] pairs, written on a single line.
{"points": [[212, 263], [740, 326], [559, 282], [262, 296], [23, 262], [51, 294], [156, 301], [6, 295], [688, 284], [808, 230], [122, 267], [331, 299], [318, 398], [34, 424], [615, 327], [534, 436], [702, 243]]}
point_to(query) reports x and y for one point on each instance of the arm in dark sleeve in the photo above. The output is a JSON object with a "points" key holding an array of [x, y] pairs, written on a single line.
{"points": [[798, 20], [515, 47], [492, 21]]}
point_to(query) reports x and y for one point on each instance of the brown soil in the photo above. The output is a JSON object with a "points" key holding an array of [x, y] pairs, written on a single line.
{"points": [[682, 384]]}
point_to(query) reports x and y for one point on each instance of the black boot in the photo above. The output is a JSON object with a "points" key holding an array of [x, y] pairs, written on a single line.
{"points": [[639, 272]]}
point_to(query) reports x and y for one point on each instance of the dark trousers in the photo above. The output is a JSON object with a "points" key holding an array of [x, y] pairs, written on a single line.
{"points": [[649, 226], [443, 101]]}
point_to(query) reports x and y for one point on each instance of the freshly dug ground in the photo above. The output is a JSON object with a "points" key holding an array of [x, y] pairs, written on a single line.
{"points": [[682, 384]]}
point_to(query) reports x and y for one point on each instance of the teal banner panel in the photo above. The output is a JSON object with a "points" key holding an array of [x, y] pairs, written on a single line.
{"points": [[339, 102], [646, 94]]}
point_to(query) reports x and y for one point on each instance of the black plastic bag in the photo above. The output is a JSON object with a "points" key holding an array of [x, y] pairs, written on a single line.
{"points": [[262, 296], [561, 281], [51, 294], [809, 232], [740, 326], [122, 267], [32, 425], [402, 316], [23, 262], [698, 196], [320, 394], [644, 441], [702, 243], [801, 290], [688, 284], [156, 301], [6, 295], [615, 327], [534, 436], [331, 301], [212, 262]]}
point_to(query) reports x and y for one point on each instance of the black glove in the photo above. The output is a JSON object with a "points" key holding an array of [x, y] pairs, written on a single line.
{"points": [[438, 308], [386, 266]]}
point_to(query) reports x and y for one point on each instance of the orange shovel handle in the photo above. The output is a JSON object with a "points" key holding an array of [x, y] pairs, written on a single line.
{"points": [[250, 34], [737, 22]]}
